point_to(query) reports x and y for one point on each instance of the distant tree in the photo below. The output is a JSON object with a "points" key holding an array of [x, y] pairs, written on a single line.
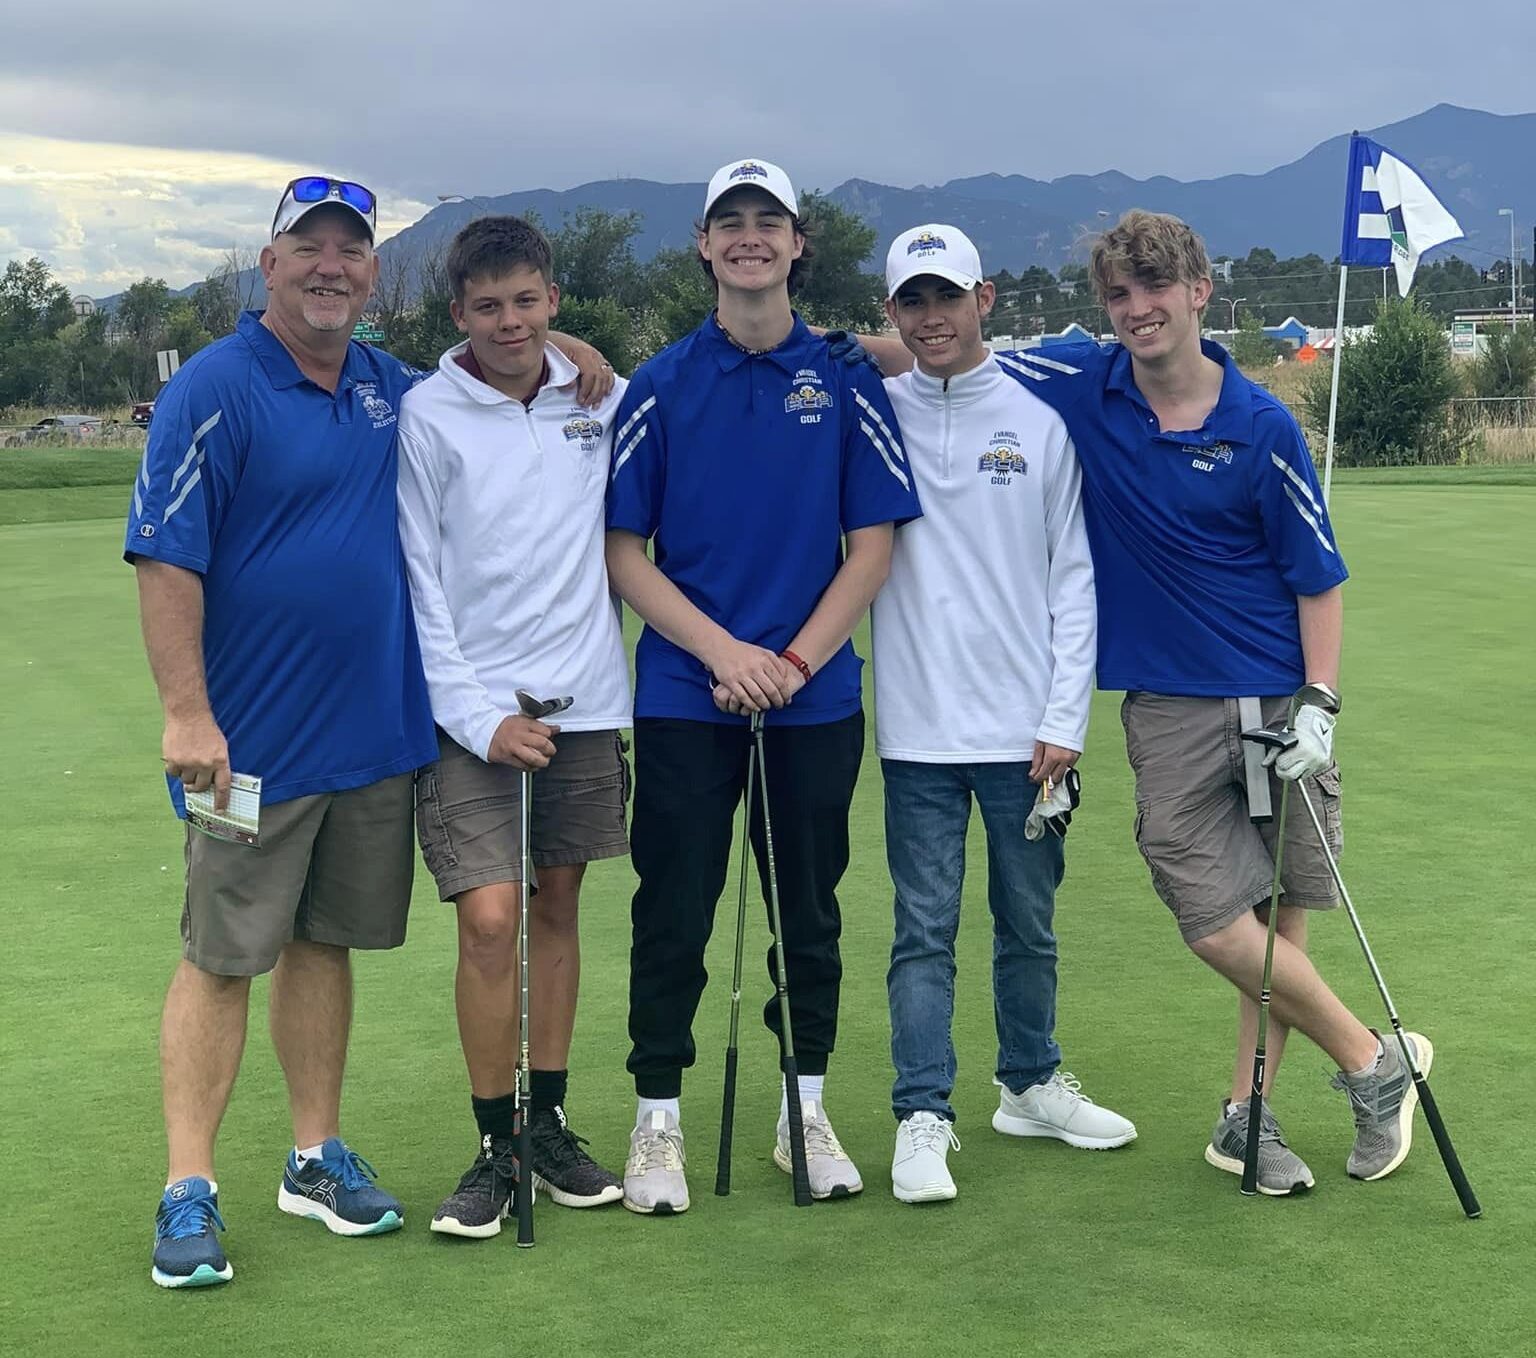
{"points": [[603, 323], [429, 330], [1251, 347], [594, 256], [1507, 365], [840, 292], [89, 372], [184, 330], [678, 297], [34, 308], [1395, 388]]}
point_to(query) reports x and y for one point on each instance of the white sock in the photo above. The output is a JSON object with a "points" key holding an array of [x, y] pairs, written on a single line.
{"points": [[811, 1087], [1374, 1063], [308, 1154], [648, 1106], [213, 1186]]}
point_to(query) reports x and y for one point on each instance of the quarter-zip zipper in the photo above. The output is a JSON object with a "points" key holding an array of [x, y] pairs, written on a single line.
{"points": [[944, 441]]}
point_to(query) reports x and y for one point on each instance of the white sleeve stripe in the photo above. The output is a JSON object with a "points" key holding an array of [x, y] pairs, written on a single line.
{"points": [[629, 448], [185, 491], [636, 414], [1310, 520], [885, 455], [884, 427], [1297, 481], [1018, 360], [1020, 369], [194, 452], [138, 500]]}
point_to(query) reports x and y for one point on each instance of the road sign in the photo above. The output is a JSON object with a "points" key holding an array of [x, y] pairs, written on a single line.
{"points": [[368, 333], [1463, 337], [167, 361]]}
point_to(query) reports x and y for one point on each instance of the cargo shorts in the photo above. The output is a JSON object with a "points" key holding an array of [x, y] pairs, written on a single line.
{"points": [[334, 868], [1209, 861], [469, 812]]}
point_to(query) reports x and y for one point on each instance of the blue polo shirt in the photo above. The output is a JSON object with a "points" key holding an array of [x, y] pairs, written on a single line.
{"points": [[747, 470], [281, 496], [1202, 540]]}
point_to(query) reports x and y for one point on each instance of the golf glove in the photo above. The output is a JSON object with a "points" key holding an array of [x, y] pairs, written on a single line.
{"points": [[844, 347], [1053, 813], [1313, 750]]}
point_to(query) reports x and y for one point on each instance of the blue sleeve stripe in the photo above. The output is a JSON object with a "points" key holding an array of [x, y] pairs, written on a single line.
{"points": [[1297, 481], [885, 454], [1309, 519], [636, 414], [628, 449], [195, 454], [885, 429]]}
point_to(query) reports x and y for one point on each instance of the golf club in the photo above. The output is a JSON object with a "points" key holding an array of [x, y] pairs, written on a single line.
{"points": [[799, 1173], [537, 709], [1469, 1202], [1250, 1182], [728, 1100]]}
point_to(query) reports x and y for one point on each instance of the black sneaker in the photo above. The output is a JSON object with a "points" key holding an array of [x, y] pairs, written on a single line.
{"points": [[561, 1168], [484, 1195]]}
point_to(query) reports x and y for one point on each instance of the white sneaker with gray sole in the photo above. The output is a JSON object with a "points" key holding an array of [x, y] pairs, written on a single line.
{"points": [[653, 1175], [1060, 1109]]}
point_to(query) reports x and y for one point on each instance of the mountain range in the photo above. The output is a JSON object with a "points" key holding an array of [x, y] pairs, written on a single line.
{"points": [[1477, 162]]}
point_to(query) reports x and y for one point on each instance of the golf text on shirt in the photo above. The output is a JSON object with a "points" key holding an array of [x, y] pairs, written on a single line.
{"points": [[748, 469], [1202, 539], [282, 497], [501, 517], [988, 614]]}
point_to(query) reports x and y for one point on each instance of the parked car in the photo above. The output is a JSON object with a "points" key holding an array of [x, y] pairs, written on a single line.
{"points": [[66, 428], [143, 412]]}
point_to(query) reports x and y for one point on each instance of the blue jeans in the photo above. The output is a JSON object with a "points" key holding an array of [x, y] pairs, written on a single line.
{"points": [[927, 810]]}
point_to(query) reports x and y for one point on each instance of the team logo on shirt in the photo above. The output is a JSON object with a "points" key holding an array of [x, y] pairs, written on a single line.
{"points": [[1205, 459], [926, 240], [807, 396], [1004, 459], [749, 170], [377, 408], [582, 429]]}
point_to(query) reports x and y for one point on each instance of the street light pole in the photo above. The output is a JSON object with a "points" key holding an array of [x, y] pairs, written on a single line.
{"points": [[1232, 302], [1510, 213]]}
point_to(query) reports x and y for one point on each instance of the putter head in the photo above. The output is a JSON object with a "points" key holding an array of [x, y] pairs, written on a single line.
{"points": [[1271, 738], [539, 708]]}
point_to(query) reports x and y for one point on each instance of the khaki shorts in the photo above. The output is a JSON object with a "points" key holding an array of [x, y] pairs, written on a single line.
{"points": [[468, 812], [1209, 862], [332, 868]]}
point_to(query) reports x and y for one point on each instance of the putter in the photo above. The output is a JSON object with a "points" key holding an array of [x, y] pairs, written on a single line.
{"points": [[799, 1172], [1269, 740], [538, 709], [1448, 1157], [728, 1100]]}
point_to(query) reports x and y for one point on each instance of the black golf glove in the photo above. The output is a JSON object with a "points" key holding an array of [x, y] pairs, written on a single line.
{"points": [[1052, 814], [844, 347]]}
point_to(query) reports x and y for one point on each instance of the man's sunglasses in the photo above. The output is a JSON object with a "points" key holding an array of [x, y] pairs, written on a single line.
{"points": [[319, 188]]}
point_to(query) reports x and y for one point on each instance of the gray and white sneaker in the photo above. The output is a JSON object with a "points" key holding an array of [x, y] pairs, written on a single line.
{"points": [[1383, 1104], [1281, 1171], [653, 1175], [1059, 1108], [920, 1165], [831, 1172]]}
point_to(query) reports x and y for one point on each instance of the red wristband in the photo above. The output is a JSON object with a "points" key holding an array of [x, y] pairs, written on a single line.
{"points": [[798, 663]]}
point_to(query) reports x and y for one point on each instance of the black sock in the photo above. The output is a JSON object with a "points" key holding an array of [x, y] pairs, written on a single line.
{"points": [[547, 1087], [496, 1117]]}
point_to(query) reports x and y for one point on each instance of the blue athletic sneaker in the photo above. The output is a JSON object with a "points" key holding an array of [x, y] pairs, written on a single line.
{"points": [[338, 1190], [187, 1252]]}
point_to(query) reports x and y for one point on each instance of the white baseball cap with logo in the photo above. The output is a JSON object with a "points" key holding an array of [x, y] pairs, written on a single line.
{"points": [[760, 174], [933, 249]]}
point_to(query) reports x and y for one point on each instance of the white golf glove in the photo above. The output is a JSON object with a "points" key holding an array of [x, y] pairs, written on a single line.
{"points": [[1054, 812], [1313, 750]]}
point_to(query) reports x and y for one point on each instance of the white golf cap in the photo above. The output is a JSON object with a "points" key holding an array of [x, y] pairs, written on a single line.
{"points": [[759, 174], [937, 249]]}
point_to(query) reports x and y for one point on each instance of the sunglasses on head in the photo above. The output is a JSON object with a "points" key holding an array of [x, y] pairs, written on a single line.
{"points": [[319, 188]]}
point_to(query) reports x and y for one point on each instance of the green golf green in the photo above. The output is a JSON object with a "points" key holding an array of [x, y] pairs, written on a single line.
{"points": [[1049, 1250]]}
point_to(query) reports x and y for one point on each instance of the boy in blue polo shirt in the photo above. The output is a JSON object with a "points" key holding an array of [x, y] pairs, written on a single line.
{"points": [[771, 477], [1218, 577]]}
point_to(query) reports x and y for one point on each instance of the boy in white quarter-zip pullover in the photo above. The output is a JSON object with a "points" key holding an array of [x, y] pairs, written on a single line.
{"points": [[502, 477], [984, 642]]}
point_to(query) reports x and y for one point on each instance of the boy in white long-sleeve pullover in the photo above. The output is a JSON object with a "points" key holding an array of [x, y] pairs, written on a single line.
{"points": [[983, 662], [502, 478]]}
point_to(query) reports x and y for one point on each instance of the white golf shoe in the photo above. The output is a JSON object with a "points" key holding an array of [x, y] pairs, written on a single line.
{"points": [[1059, 1108], [653, 1175], [920, 1166], [831, 1172]]}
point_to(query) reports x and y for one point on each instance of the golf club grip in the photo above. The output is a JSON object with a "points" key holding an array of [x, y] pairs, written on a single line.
{"points": [[798, 1169], [727, 1126], [1250, 1184], [525, 1179], [1448, 1156]]}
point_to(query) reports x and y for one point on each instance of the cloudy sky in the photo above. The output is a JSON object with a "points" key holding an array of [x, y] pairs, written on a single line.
{"points": [[150, 138]]}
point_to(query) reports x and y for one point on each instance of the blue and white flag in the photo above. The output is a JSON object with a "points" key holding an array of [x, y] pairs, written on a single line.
{"points": [[1390, 215]]}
